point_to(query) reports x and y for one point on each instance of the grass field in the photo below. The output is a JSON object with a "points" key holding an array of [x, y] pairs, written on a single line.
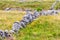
{"points": [[24, 5], [43, 28], [27, 0]]}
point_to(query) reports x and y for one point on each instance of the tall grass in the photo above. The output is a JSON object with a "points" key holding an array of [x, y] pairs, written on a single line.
{"points": [[7, 18]]}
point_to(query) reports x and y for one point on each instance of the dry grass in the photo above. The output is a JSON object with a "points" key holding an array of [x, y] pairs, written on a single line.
{"points": [[7, 18]]}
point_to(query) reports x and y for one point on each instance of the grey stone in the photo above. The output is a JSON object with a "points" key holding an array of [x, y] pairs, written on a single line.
{"points": [[25, 21], [33, 17], [6, 33], [1, 33], [28, 17], [7, 9], [44, 12], [36, 14], [22, 24], [11, 32], [55, 12], [16, 26]]}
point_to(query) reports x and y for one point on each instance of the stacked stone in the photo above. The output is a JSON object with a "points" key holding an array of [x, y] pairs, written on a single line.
{"points": [[50, 12], [28, 18], [4, 34]]}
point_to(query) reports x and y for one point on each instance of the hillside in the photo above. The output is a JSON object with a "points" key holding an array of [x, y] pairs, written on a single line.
{"points": [[24, 5], [43, 28]]}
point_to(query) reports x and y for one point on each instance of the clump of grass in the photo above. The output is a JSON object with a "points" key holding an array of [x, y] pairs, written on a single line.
{"points": [[39, 8]]}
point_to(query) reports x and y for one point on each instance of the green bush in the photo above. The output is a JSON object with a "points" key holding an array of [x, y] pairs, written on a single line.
{"points": [[39, 9]]}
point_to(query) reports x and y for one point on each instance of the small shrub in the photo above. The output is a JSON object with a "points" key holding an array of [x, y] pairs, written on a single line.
{"points": [[39, 9]]}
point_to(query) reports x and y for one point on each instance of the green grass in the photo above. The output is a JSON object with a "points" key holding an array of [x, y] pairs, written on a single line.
{"points": [[43, 28]]}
